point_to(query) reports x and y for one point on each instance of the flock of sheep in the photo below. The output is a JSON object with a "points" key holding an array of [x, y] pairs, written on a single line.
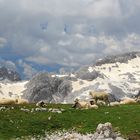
{"points": [[102, 99], [97, 99]]}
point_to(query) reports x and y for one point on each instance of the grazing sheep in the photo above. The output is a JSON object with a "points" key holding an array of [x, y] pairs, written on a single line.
{"points": [[85, 104], [115, 104], [7, 101], [40, 104], [128, 101], [100, 103], [21, 101], [93, 106], [100, 96], [91, 101], [80, 104], [137, 100]]}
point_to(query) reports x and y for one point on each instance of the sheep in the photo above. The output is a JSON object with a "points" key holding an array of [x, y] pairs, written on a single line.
{"points": [[93, 106], [40, 104], [101, 103], [128, 101], [85, 104], [137, 100], [7, 101], [100, 96], [21, 101], [114, 104], [92, 102], [80, 104]]}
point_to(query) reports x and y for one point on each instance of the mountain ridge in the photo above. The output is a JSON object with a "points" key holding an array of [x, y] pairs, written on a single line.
{"points": [[122, 58], [120, 78]]}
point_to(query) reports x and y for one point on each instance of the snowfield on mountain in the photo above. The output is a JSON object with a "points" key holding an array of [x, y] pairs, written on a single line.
{"points": [[121, 79], [12, 89]]}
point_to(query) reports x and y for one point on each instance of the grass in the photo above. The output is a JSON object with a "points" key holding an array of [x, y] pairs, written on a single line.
{"points": [[16, 123]]}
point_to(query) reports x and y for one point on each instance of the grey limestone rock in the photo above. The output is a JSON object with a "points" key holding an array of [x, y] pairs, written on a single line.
{"points": [[45, 87]]}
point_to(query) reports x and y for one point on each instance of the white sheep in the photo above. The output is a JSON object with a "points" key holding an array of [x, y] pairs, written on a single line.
{"points": [[93, 106], [100, 103], [40, 104], [80, 104], [100, 96], [128, 101], [137, 100], [20, 101], [85, 104], [7, 101], [115, 103]]}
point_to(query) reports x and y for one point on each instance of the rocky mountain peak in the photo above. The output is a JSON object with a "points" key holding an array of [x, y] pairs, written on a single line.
{"points": [[7, 74]]}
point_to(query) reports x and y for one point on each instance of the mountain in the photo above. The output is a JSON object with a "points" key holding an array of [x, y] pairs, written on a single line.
{"points": [[117, 75], [10, 85], [7, 74]]}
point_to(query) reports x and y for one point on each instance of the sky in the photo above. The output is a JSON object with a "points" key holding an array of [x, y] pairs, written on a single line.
{"points": [[40, 35]]}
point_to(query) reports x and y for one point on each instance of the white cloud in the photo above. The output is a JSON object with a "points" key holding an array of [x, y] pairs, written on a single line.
{"points": [[8, 64], [103, 8], [28, 70], [132, 42], [64, 43], [3, 42], [79, 36]]}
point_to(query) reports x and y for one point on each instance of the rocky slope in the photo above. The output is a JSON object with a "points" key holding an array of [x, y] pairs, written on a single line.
{"points": [[45, 87]]}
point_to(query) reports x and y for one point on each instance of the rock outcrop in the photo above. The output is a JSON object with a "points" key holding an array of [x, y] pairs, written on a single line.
{"points": [[106, 132], [84, 74], [103, 132], [45, 87]]}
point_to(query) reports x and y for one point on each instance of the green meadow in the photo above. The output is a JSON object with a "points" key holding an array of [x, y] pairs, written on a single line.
{"points": [[15, 123]]}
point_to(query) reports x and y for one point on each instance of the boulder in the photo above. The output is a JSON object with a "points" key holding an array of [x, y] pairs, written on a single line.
{"points": [[106, 132]]}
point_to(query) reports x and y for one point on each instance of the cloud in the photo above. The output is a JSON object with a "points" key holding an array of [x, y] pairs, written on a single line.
{"points": [[70, 33], [64, 43], [8, 64], [84, 50], [103, 9], [3, 42], [28, 70]]}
